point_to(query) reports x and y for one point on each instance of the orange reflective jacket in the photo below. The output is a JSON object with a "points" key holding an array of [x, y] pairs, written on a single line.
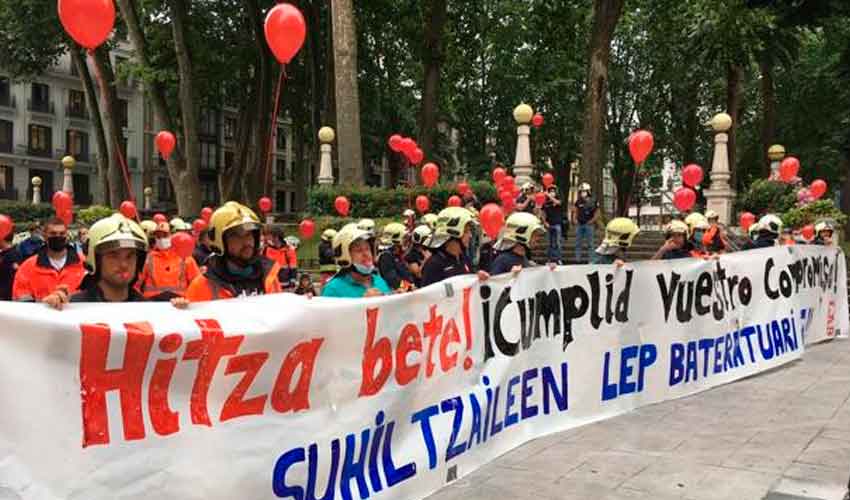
{"points": [[210, 286], [36, 278], [165, 271]]}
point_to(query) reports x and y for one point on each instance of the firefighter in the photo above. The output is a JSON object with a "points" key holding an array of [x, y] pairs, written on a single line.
{"points": [[698, 226], [769, 229], [714, 239], [449, 242], [418, 252], [522, 230], [357, 276], [165, 274], [278, 250], [619, 235], [56, 263], [676, 244], [824, 230], [327, 265], [391, 262]]}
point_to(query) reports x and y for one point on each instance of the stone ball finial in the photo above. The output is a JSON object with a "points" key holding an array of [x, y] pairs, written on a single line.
{"points": [[776, 152], [721, 122], [327, 135], [36, 181], [148, 191], [523, 114], [68, 162]]}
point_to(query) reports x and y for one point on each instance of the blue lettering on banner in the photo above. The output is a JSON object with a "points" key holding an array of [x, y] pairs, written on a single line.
{"points": [[645, 355]]}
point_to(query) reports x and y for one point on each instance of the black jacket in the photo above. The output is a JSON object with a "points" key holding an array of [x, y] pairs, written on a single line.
{"points": [[443, 265]]}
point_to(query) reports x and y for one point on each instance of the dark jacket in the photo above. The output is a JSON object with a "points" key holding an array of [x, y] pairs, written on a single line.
{"points": [[443, 265], [393, 269], [92, 293], [10, 259], [506, 261]]}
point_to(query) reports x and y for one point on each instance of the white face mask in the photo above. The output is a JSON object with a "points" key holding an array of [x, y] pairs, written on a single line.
{"points": [[163, 243]]}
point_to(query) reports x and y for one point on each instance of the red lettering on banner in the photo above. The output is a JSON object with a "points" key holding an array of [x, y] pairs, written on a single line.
{"points": [[164, 420], [372, 354], [410, 341], [236, 405], [208, 350], [432, 327], [303, 355]]}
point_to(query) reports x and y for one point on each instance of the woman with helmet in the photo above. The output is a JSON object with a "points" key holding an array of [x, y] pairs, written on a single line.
{"points": [[676, 245], [236, 268], [117, 249], [357, 276], [391, 262], [327, 265], [769, 229], [619, 235], [418, 252], [368, 225], [449, 242], [824, 230], [521, 231]]}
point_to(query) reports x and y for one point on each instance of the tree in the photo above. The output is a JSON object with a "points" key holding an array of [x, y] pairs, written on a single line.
{"points": [[432, 61], [347, 97]]}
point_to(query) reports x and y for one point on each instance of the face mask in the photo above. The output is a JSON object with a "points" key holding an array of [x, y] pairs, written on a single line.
{"points": [[698, 236], [57, 243], [365, 270], [163, 243]]}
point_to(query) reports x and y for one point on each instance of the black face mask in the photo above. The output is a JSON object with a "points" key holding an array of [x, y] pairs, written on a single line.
{"points": [[57, 243]]}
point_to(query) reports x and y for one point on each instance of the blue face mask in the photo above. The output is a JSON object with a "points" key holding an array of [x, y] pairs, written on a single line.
{"points": [[365, 270], [698, 237]]}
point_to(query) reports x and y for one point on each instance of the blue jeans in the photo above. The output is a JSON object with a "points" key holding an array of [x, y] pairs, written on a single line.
{"points": [[555, 238], [584, 239]]}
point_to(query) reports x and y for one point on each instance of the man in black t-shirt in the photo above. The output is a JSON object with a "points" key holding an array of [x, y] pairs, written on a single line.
{"points": [[585, 212], [555, 219]]}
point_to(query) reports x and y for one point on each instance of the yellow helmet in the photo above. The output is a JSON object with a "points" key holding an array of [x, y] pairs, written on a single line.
{"points": [[711, 214], [408, 213], [343, 241], [519, 228], [229, 216], [696, 221], [393, 234], [148, 226], [115, 231], [753, 230], [676, 227], [430, 220], [367, 225], [178, 224], [620, 232], [328, 235], [421, 234], [771, 223], [824, 225], [162, 227], [451, 223]]}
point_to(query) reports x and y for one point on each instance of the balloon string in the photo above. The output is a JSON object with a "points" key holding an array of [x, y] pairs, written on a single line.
{"points": [[101, 82], [273, 132], [631, 190]]}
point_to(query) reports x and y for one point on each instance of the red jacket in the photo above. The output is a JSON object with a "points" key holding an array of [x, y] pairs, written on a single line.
{"points": [[36, 278]]}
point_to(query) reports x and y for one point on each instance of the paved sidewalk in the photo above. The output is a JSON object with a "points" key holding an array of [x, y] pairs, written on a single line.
{"points": [[781, 435]]}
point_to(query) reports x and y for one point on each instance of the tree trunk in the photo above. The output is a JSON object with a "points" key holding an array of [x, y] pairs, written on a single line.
{"points": [[92, 102], [184, 179], [347, 97], [768, 112], [432, 60], [114, 134], [734, 74], [606, 14], [189, 199]]}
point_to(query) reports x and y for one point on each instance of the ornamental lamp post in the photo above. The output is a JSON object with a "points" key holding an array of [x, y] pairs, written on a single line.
{"points": [[326, 173], [522, 163]]}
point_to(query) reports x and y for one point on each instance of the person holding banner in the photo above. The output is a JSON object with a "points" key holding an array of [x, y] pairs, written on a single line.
{"points": [[714, 239], [418, 253], [451, 238], [391, 264], [823, 233], [697, 227], [55, 264], [202, 248], [357, 276], [769, 229], [521, 231], [117, 250], [676, 245], [619, 235], [237, 268]]}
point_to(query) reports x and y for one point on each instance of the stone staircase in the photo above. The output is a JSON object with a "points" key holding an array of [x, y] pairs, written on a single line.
{"points": [[643, 248]]}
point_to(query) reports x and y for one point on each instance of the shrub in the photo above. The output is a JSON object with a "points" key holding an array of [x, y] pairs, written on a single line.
{"points": [[766, 196], [811, 213], [92, 214], [22, 213]]}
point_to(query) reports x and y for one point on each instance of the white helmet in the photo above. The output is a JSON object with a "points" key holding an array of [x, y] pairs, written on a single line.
{"points": [[771, 224], [584, 187]]}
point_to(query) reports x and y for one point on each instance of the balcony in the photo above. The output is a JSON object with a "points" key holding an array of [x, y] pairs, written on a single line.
{"points": [[9, 194], [44, 107], [8, 101], [79, 112], [43, 153]]}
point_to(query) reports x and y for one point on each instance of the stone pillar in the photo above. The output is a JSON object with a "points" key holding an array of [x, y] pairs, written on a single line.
{"points": [[148, 195], [523, 166], [68, 164], [36, 190], [775, 154], [326, 172], [720, 197]]}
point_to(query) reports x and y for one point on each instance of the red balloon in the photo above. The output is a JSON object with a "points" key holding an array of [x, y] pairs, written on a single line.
{"points": [[808, 232], [416, 156], [285, 31], [462, 187], [548, 180], [307, 228], [395, 142], [62, 202], [684, 199], [789, 168], [128, 209], [6, 226], [692, 175], [430, 174], [515, 190], [492, 220], [455, 201], [407, 145], [199, 226], [746, 220], [508, 200], [183, 244], [67, 217], [818, 188], [160, 218], [165, 142], [508, 183], [265, 204], [422, 203], [640, 145], [537, 120], [206, 213], [88, 22], [499, 176], [342, 205], [539, 199]]}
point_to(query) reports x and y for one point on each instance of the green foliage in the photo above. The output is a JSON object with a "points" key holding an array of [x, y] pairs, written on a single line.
{"points": [[811, 213], [92, 214], [765, 196], [376, 202], [23, 213]]}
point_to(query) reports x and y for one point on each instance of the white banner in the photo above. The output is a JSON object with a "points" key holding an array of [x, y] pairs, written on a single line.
{"points": [[283, 397]]}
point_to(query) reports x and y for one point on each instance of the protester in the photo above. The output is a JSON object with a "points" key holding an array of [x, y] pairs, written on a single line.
{"points": [[409, 219], [430, 220], [619, 235], [525, 200], [10, 259], [202, 248], [357, 276], [57, 263], [824, 231], [149, 227], [391, 264], [236, 268], [752, 234], [451, 237], [305, 286], [676, 245], [33, 243], [368, 225], [166, 275], [117, 250], [787, 237], [178, 225], [327, 264], [81, 243], [521, 232], [554, 213], [470, 201], [697, 228], [769, 229], [277, 250], [584, 214], [418, 252], [714, 239], [486, 254]]}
